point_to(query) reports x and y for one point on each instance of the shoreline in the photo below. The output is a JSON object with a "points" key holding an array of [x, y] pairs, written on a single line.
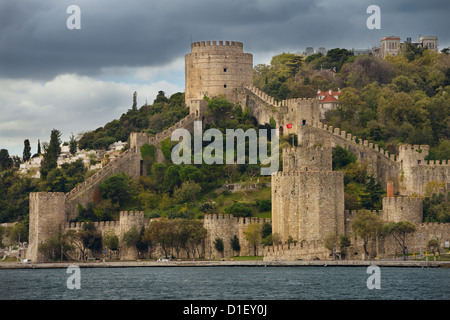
{"points": [[303, 263]]}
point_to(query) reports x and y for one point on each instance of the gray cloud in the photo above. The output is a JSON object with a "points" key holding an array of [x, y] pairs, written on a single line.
{"points": [[77, 80], [35, 43]]}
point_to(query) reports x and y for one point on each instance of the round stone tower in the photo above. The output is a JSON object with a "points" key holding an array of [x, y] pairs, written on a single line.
{"points": [[216, 68]]}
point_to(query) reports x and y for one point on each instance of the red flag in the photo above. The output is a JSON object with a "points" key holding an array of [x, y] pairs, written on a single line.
{"points": [[289, 126]]}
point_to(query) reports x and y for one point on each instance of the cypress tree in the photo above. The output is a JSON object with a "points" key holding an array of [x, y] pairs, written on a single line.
{"points": [[26, 150]]}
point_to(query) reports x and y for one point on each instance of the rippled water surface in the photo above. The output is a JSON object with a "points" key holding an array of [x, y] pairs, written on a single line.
{"points": [[226, 283]]}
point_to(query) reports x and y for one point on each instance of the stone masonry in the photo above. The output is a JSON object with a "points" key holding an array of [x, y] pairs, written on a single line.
{"points": [[307, 200], [307, 197]]}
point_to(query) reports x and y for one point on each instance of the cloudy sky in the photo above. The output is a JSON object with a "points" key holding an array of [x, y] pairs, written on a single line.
{"points": [[78, 80]]}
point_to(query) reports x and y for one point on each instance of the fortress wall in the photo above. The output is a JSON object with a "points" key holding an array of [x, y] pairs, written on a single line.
{"points": [[416, 172], [383, 166], [388, 246], [128, 162], [307, 159], [128, 220], [304, 250], [307, 205], [225, 227], [403, 209], [264, 107], [416, 178], [99, 225], [46, 216]]}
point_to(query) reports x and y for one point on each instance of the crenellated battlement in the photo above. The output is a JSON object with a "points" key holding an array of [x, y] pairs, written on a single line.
{"points": [[131, 214], [403, 209], [101, 225], [314, 158], [297, 250], [202, 44], [217, 218], [353, 139], [402, 199], [180, 124], [101, 174], [280, 174], [437, 162], [273, 102]]}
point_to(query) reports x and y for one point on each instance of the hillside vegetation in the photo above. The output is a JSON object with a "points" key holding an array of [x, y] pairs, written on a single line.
{"points": [[400, 100], [403, 99]]}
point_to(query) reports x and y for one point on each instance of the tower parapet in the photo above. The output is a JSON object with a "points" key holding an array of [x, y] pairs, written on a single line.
{"points": [[218, 68], [399, 209], [307, 159], [217, 46]]}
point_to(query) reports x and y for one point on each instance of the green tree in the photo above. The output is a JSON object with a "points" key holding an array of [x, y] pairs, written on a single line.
{"points": [[367, 225], [39, 147], [373, 196], [131, 237], [57, 246], [196, 235], [5, 161], [19, 232], [399, 231], [160, 97], [134, 107], [234, 242], [88, 238], [117, 188], [73, 145], [433, 245], [52, 152], [188, 191], [2, 234], [331, 243], [342, 157], [220, 107], [218, 245], [160, 232], [238, 210], [111, 240], [26, 150], [253, 234], [344, 244]]}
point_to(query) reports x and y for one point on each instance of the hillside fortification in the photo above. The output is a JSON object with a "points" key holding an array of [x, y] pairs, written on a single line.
{"points": [[215, 68]]}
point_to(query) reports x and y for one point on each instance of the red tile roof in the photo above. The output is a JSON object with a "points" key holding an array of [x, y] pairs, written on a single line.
{"points": [[329, 98], [325, 96]]}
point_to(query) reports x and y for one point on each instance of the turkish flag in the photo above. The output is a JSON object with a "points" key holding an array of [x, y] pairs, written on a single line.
{"points": [[289, 126]]}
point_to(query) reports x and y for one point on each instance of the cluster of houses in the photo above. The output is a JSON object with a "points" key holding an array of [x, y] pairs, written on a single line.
{"points": [[92, 159]]}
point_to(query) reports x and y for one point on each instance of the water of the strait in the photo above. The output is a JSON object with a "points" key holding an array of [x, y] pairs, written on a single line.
{"points": [[226, 283]]}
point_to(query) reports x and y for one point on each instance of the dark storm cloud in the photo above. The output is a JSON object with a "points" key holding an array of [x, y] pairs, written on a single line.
{"points": [[35, 43]]}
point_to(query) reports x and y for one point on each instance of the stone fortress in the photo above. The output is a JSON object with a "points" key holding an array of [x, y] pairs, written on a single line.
{"points": [[307, 196]]}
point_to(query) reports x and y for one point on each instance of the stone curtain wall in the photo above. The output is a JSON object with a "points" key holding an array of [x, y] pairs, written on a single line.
{"points": [[307, 205], [128, 162], [403, 209], [383, 247], [225, 227], [409, 170], [264, 107], [305, 250]]}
